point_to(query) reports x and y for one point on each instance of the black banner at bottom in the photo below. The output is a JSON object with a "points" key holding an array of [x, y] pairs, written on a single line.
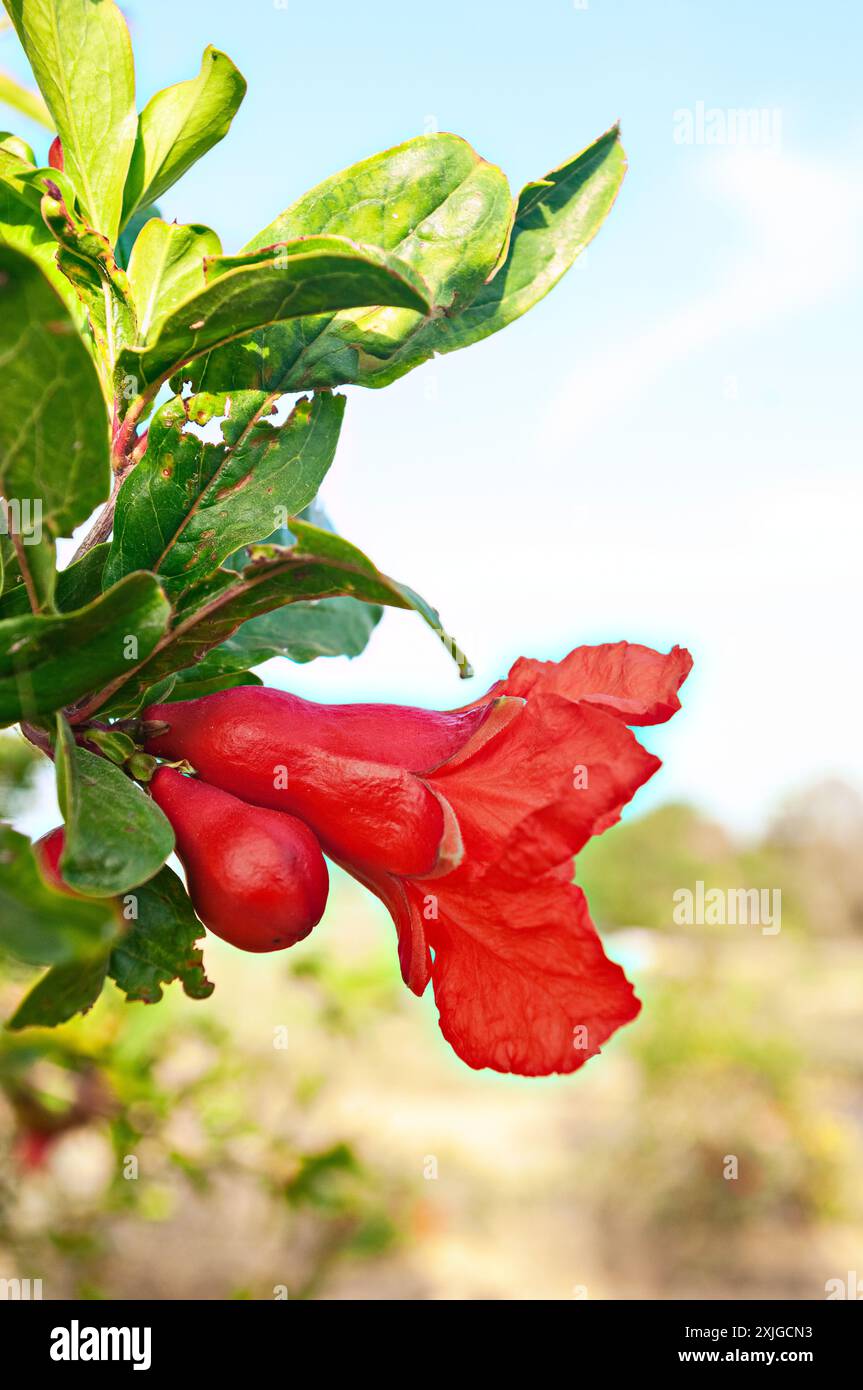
{"points": [[62, 1339]]}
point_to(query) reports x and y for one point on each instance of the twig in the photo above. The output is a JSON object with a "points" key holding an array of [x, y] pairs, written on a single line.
{"points": [[103, 525]]}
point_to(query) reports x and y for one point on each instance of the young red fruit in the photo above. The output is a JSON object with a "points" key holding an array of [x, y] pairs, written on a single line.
{"points": [[257, 878], [48, 851], [55, 154]]}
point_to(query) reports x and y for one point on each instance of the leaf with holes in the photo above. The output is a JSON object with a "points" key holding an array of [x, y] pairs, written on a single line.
{"points": [[190, 503], [307, 276], [160, 943]]}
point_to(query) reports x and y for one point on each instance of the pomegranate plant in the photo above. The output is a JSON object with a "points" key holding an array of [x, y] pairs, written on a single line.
{"points": [[203, 555]]}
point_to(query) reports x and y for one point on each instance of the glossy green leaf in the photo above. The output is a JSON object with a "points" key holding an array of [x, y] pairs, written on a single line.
{"points": [[130, 233], [433, 202], [189, 504], [116, 837], [37, 924], [77, 585], [302, 277], [50, 661], [54, 442], [167, 265], [23, 99], [14, 145], [302, 632], [556, 218], [22, 187], [67, 989], [195, 689], [319, 565], [81, 57], [160, 943], [178, 126]]}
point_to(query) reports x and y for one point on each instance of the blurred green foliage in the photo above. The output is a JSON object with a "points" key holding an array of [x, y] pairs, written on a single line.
{"points": [[281, 1137]]}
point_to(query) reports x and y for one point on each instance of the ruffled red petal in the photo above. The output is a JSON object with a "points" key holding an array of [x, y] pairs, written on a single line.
{"points": [[634, 683], [532, 796], [521, 980]]}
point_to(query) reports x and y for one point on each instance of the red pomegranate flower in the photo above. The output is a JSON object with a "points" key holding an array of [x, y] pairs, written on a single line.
{"points": [[465, 825]]}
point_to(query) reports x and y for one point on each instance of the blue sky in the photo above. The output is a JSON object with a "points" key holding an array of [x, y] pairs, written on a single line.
{"points": [[668, 448]]}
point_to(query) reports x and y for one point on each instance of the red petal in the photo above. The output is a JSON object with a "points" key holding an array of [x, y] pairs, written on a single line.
{"points": [[634, 683], [530, 798], [520, 978]]}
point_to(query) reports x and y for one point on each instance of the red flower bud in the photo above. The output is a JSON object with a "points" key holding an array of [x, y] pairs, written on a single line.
{"points": [[465, 825], [256, 878], [347, 770], [55, 154]]}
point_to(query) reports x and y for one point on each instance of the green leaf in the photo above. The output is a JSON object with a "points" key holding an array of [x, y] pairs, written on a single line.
{"points": [[159, 945], [22, 187], [556, 218], [190, 504], [433, 202], [319, 565], [130, 233], [77, 585], [195, 689], [86, 258], [35, 563], [22, 99], [167, 265], [116, 837], [50, 661], [303, 277], [67, 989], [38, 924], [14, 145], [113, 744], [81, 56], [178, 126], [302, 632], [54, 444]]}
